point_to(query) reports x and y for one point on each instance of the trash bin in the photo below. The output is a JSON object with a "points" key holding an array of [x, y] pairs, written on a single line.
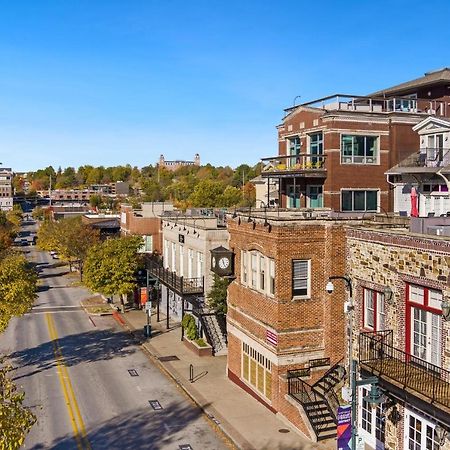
{"points": [[147, 330]]}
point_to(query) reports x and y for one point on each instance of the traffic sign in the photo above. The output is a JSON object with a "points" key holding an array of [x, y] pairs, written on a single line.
{"points": [[148, 306]]}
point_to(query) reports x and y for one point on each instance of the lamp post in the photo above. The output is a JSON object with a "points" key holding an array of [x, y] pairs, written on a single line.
{"points": [[148, 307], [375, 396]]}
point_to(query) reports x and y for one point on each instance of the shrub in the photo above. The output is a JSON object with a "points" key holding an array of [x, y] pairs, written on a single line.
{"points": [[189, 325], [201, 342]]}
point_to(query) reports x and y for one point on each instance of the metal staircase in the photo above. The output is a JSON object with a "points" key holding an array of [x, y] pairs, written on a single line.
{"points": [[213, 330], [319, 401]]}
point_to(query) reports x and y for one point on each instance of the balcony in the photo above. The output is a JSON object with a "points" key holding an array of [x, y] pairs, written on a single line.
{"points": [[355, 103], [303, 165], [428, 157], [181, 285], [408, 374]]}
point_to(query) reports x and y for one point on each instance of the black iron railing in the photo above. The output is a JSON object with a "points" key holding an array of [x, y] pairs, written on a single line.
{"points": [[379, 356], [181, 285], [294, 163]]}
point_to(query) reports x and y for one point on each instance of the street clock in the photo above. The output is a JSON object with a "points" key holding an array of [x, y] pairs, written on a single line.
{"points": [[222, 261]]}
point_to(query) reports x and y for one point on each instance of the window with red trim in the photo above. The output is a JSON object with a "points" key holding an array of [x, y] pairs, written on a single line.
{"points": [[374, 315]]}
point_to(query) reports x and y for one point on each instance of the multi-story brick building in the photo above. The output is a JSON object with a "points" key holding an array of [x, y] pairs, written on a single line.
{"points": [[6, 194], [334, 152], [401, 295], [145, 222], [285, 333]]}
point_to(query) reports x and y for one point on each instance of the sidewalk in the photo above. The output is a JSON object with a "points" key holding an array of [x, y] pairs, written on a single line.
{"points": [[250, 425]]}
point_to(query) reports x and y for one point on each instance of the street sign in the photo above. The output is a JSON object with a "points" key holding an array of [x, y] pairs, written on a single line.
{"points": [[148, 306]]}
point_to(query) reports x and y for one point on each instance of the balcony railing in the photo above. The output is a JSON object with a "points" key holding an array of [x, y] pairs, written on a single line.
{"points": [[428, 157], [378, 356], [342, 102], [181, 285], [306, 164]]}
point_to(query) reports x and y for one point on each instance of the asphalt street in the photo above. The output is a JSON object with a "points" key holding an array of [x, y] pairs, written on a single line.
{"points": [[89, 383]]}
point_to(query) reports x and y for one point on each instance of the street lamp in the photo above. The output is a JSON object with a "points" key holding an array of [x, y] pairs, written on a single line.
{"points": [[375, 396]]}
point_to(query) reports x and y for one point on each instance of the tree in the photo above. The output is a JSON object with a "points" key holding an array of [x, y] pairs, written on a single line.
{"points": [[248, 195], [231, 197], [110, 267], [217, 296], [16, 420], [206, 194]]}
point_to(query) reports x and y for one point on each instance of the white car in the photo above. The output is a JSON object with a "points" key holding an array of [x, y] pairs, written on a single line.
{"points": [[52, 252]]}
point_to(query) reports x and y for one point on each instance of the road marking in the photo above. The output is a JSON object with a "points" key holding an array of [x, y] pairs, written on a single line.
{"points": [[76, 420]]}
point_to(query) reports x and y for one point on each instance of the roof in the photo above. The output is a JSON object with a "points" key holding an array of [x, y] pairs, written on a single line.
{"points": [[433, 77]]}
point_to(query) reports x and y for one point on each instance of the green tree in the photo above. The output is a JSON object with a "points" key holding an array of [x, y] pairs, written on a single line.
{"points": [[16, 420], [231, 196], [110, 267], [217, 296], [207, 194]]}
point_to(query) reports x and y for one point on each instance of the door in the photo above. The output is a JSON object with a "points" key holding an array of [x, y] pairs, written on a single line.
{"points": [[293, 197], [425, 336], [314, 196]]}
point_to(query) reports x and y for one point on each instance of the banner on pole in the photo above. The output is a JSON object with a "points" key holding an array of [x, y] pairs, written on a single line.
{"points": [[344, 427]]}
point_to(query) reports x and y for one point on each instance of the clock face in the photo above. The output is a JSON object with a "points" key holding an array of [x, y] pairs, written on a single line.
{"points": [[224, 263]]}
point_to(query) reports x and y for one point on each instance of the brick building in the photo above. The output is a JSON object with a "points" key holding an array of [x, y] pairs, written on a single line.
{"points": [[6, 194], [285, 333], [401, 287], [334, 152], [145, 222]]}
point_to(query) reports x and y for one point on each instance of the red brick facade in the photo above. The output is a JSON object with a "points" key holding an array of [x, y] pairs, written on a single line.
{"points": [[307, 328]]}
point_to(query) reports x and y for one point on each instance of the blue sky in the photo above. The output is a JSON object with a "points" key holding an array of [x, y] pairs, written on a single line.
{"points": [[116, 82]]}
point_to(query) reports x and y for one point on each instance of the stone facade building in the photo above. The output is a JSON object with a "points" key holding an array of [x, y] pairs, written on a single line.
{"points": [[402, 338], [176, 164]]}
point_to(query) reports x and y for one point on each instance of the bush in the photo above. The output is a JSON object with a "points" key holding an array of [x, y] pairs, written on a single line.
{"points": [[189, 325], [201, 342]]}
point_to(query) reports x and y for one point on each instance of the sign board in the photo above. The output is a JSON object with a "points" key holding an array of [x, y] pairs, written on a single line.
{"points": [[271, 337], [181, 238], [344, 427], [144, 296], [148, 306]]}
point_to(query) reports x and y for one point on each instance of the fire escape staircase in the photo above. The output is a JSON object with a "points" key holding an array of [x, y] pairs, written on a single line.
{"points": [[214, 328], [319, 401]]}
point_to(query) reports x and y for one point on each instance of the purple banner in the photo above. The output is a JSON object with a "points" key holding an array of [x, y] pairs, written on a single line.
{"points": [[344, 427]]}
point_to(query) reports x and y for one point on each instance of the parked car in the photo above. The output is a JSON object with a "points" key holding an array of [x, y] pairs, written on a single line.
{"points": [[52, 252], [55, 256]]}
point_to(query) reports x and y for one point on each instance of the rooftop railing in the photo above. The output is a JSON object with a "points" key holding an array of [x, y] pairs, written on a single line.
{"points": [[344, 102], [378, 356], [428, 157]]}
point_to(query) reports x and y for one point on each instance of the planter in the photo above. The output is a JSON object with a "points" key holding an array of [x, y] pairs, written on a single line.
{"points": [[199, 351]]}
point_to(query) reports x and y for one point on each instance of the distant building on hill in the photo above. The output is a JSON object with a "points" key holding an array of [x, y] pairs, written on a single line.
{"points": [[6, 196], [174, 165]]}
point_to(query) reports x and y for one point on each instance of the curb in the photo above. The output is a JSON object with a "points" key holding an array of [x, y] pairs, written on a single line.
{"points": [[210, 417]]}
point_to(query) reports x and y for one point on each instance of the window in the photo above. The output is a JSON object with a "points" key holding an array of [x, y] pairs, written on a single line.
{"points": [[293, 149], [374, 312], [372, 421], [174, 257], [257, 370], [262, 273], [300, 278], [254, 269], [420, 434], [199, 264], [244, 276], [366, 413], [359, 149], [181, 272], [359, 200], [190, 262], [271, 277], [315, 147]]}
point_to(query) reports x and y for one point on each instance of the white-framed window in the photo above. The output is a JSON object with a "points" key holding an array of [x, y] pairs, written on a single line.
{"points": [[173, 266], [374, 314], [359, 200], [300, 277], [256, 370], [244, 267], [190, 262], [419, 432], [166, 254], [356, 149], [254, 268], [262, 273], [258, 272], [293, 148], [271, 277], [200, 265], [371, 421], [181, 272]]}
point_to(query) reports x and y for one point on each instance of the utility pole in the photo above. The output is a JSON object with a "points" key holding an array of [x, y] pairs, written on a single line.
{"points": [[50, 191]]}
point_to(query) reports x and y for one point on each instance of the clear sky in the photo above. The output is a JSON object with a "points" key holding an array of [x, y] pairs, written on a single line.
{"points": [[107, 82]]}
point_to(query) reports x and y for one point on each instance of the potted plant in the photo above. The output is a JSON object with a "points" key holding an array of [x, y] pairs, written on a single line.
{"points": [[195, 343]]}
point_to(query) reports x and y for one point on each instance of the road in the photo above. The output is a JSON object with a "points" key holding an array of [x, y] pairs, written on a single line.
{"points": [[76, 375]]}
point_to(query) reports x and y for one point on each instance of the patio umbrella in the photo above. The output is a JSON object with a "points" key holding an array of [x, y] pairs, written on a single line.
{"points": [[414, 210]]}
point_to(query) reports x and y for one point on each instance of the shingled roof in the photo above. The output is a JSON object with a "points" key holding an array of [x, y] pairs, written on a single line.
{"points": [[436, 76]]}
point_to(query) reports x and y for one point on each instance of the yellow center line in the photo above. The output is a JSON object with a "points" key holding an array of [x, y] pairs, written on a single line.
{"points": [[69, 395]]}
